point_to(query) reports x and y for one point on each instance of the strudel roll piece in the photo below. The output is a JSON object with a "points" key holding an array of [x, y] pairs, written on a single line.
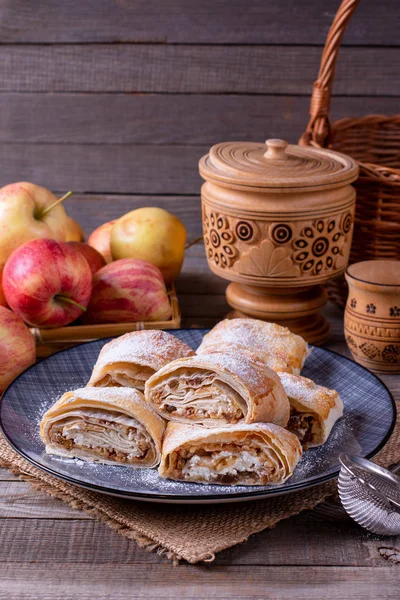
{"points": [[313, 409], [128, 361], [108, 425], [257, 454], [275, 345], [218, 389]]}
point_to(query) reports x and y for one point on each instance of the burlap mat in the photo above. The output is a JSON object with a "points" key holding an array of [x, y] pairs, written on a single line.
{"points": [[192, 533]]}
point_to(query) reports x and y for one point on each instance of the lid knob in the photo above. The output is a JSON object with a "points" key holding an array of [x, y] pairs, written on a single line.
{"points": [[276, 149]]}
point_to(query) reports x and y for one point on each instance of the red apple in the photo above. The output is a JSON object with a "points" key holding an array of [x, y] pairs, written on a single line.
{"points": [[126, 291], [94, 258], [28, 212], [3, 301], [17, 347], [47, 283], [100, 240]]}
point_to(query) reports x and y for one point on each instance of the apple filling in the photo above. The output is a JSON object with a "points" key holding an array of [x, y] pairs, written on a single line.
{"points": [[106, 436], [225, 464], [302, 425], [196, 396]]}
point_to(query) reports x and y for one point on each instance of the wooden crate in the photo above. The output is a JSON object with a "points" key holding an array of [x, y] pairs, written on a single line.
{"points": [[49, 341]]}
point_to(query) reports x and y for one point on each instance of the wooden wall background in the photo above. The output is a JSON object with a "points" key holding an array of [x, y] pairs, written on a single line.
{"points": [[118, 99]]}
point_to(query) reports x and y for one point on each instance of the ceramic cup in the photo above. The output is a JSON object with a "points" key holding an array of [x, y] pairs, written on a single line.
{"points": [[372, 315]]}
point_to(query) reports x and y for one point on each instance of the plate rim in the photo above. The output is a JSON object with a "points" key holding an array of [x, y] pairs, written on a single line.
{"points": [[197, 499]]}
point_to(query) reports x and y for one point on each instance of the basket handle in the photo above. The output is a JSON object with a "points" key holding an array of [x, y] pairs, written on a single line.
{"points": [[318, 132]]}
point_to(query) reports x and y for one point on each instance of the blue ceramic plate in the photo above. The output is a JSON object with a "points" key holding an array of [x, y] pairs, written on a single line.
{"points": [[366, 425]]}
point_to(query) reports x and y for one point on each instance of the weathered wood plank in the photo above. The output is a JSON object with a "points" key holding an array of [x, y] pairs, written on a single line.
{"points": [[120, 582], [91, 210], [90, 542], [140, 119], [19, 499], [197, 276], [112, 168], [5, 475], [233, 22], [190, 69], [203, 306]]}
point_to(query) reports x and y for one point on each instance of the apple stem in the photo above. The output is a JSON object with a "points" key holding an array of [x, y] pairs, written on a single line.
{"points": [[48, 209], [194, 242], [69, 300]]}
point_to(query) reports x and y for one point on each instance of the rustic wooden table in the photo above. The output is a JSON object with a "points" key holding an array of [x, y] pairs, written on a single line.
{"points": [[49, 550], [118, 100]]}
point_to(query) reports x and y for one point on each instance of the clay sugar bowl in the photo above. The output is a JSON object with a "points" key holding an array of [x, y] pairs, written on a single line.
{"points": [[278, 224], [372, 315]]}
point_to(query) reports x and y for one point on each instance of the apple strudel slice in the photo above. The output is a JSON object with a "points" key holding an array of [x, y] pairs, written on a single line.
{"points": [[273, 344], [113, 425], [257, 454], [314, 409], [216, 390], [128, 361]]}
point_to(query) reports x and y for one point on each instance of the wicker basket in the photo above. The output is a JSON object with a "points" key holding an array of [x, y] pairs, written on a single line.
{"points": [[374, 141]]}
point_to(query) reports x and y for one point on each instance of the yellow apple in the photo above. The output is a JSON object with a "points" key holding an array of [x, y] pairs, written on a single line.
{"points": [[23, 217], [151, 234], [74, 232]]}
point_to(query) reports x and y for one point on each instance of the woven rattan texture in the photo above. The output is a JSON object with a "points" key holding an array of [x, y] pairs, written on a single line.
{"points": [[374, 141]]}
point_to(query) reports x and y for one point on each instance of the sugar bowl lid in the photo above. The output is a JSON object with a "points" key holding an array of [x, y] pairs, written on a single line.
{"points": [[276, 165]]}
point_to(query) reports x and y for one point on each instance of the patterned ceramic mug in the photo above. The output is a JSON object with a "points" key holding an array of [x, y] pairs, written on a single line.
{"points": [[372, 316]]}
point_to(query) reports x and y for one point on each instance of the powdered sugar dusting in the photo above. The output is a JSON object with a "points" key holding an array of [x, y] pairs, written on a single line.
{"points": [[302, 387], [316, 397], [103, 394], [179, 434], [258, 379], [313, 462], [258, 337], [368, 411], [152, 348]]}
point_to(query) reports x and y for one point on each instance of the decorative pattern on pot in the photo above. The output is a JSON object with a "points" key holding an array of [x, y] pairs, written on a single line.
{"points": [[267, 260], [391, 353], [370, 350], [246, 232], [320, 246], [364, 328], [298, 250], [351, 342], [219, 239], [372, 315], [371, 346]]}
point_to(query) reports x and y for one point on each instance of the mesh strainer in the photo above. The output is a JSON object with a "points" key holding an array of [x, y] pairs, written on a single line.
{"points": [[370, 494]]}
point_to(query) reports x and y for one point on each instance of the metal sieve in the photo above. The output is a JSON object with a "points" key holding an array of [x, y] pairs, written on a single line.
{"points": [[370, 494]]}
